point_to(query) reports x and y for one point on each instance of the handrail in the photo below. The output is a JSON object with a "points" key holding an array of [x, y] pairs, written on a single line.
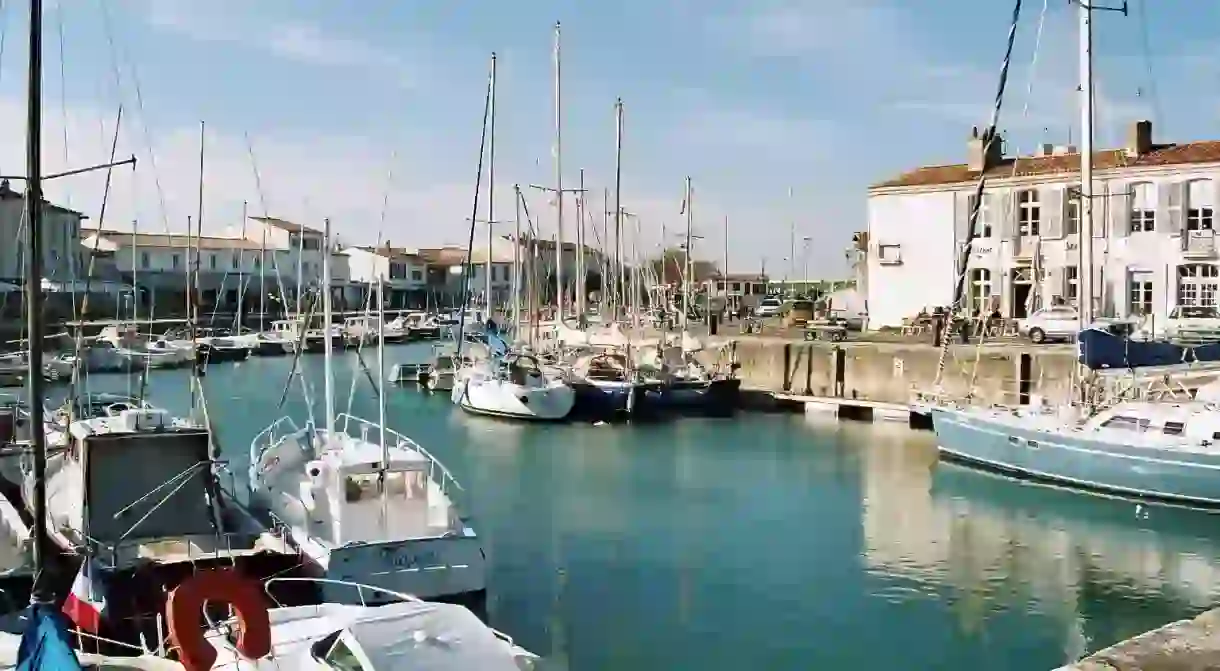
{"points": [[270, 433], [360, 587], [344, 418]]}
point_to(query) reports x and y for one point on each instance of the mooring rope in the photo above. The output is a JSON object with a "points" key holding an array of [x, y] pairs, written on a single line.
{"points": [[992, 136]]}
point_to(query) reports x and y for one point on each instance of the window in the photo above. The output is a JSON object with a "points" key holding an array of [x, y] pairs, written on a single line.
{"points": [[339, 657], [417, 276], [212, 261], [1071, 283], [1197, 285], [311, 244], [889, 254], [175, 260], [1029, 212], [1071, 221], [1126, 423], [982, 226], [1139, 301], [1199, 205], [144, 260], [1174, 428], [258, 262], [980, 290], [236, 260], [1143, 208]]}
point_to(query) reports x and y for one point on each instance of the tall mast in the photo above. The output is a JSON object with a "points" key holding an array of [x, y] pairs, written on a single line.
{"points": [[517, 260], [385, 446], [724, 272], [491, 185], [1085, 297], [327, 364], [580, 246], [241, 270], [686, 275], [619, 286], [33, 297], [262, 282], [558, 177]]}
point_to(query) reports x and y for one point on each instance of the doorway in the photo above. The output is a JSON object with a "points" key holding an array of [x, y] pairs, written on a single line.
{"points": [[1022, 289]]}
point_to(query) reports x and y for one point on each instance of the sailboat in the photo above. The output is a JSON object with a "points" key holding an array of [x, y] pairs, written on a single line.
{"points": [[361, 501], [1155, 450], [508, 384]]}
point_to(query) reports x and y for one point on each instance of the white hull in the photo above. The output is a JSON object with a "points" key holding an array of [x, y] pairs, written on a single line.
{"points": [[485, 395]]}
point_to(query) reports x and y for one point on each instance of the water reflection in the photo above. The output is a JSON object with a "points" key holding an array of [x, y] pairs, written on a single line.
{"points": [[991, 544]]}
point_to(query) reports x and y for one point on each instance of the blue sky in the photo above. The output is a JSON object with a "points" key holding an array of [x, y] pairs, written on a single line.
{"points": [[750, 99]]}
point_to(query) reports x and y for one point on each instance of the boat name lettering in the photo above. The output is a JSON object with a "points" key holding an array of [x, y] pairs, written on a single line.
{"points": [[414, 559]]}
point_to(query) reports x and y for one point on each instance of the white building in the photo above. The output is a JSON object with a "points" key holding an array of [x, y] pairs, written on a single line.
{"points": [[1154, 244], [60, 239], [403, 271]]}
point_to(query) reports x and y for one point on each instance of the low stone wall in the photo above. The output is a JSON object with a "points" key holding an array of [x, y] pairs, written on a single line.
{"points": [[1185, 645], [891, 372]]}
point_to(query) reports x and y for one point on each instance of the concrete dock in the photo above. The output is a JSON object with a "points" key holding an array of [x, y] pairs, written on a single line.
{"points": [[1185, 645]]}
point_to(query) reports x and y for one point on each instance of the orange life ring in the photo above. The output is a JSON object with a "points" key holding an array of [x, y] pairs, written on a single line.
{"points": [[185, 613]]}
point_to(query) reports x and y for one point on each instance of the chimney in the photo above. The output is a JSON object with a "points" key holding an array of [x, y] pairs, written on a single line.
{"points": [[1139, 142], [981, 154]]}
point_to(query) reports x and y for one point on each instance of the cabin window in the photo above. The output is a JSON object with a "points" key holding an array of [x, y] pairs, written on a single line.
{"points": [[338, 656], [1174, 428], [401, 484], [1126, 423]]}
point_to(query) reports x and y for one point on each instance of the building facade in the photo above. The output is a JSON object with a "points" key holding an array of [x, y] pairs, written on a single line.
{"points": [[403, 272], [1153, 241], [61, 231]]}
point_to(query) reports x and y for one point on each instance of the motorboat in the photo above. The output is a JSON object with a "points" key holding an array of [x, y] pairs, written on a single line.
{"points": [[422, 326], [365, 502], [220, 349], [1157, 450], [402, 633], [442, 370], [137, 352]]}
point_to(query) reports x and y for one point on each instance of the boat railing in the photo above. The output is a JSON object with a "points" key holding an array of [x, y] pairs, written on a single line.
{"points": [[344, 422], [271, 436], [360, 588]]}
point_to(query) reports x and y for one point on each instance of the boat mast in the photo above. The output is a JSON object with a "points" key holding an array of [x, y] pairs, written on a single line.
{"points": [[580, 247], [327, 364], [491, 185], [262, 283], [241, 262], [620, 287], [686, 278], [1085, 297], [33, 298], [385, 447], [559, 288], [517, 261]]}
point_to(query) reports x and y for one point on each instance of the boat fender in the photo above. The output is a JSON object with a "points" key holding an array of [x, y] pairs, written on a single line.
{"points": [[316, 470], [184, 611]]}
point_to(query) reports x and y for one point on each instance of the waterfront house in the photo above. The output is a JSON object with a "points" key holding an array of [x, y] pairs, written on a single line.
{"points": [[1154, 241]]}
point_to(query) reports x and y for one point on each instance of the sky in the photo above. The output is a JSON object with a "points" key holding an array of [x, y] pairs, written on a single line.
{"points": [[781, 112]]}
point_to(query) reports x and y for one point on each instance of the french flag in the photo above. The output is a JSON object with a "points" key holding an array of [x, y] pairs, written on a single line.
{"points": [[86, 602]]}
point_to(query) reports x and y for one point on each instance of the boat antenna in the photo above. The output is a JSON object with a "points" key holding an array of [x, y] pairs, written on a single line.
{"points": [[41, 594]]}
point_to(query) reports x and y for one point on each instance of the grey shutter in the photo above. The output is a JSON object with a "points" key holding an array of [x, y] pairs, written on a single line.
{"points": [[1057, 284], [1101, 209], [1007, 214], [1120, 209], [1052, 213], [961, 215], [1175, 200]]}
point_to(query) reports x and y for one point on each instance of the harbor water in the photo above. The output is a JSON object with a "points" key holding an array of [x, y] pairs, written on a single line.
{"points": [[761, 541]]}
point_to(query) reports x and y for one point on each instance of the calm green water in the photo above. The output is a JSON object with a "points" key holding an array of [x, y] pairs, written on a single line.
{"points": [[768, 542]]}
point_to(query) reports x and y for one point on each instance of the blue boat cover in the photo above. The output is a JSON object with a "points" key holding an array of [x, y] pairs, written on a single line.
{"points": [[44, 643], [1101, 349]]}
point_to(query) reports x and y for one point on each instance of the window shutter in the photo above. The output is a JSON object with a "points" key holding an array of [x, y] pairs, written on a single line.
{"points": [[1176, 200], [1057, 284], [1007, 214], [1101, 209], [1052, 213], [961, 213], [1120, 209]]}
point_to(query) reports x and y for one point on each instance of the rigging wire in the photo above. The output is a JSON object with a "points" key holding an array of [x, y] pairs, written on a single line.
{"points": [[990, 138], [1146, 47]]}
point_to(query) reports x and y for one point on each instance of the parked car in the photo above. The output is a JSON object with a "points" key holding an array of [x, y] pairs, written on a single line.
{"points": [[769, 307], [1055, 323], [1193, 323]]}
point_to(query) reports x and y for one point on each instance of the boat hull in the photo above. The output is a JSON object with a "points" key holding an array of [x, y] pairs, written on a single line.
{"points": [[1100, 349], [608, 401], [209, 354], [714, 397], [498, 398], [1023, 450], [271, 348]]}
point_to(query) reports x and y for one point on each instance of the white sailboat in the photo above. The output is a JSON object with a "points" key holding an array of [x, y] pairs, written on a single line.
{"points": [[363, 501]]}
